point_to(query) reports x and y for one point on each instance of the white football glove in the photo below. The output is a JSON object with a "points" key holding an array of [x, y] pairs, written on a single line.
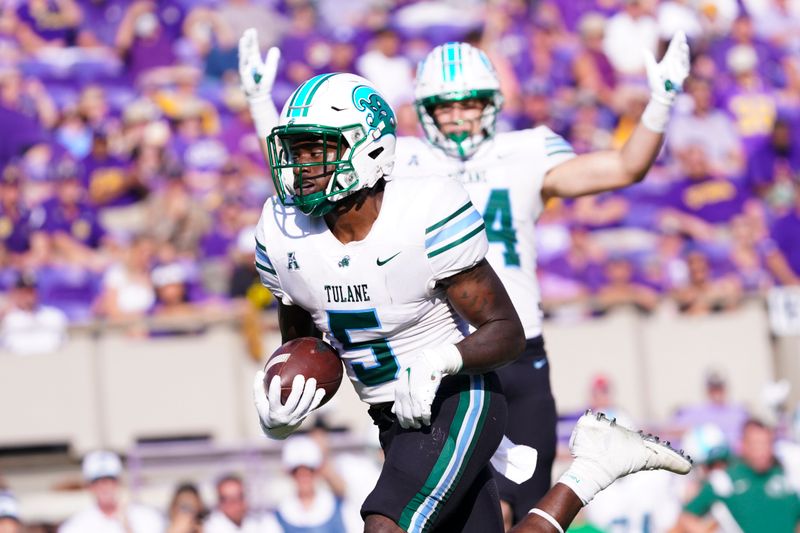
{"points": [[666, 81], [281, 420], [258, 76], [418, 382]]}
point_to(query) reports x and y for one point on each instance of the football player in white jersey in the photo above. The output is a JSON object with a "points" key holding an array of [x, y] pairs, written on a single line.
{"points": [[393, 274], [510, 177], [597, 172]]}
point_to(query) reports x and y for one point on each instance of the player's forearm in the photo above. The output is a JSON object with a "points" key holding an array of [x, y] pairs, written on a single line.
{"points": [[492, 345], [480, 298], [639, 153], [295, 322]]}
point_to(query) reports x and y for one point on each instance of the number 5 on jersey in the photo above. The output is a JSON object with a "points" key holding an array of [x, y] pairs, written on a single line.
{"points": [[385, 367]]}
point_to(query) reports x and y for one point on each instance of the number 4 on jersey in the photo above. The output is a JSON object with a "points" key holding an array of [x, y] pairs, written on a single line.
{"points": [[499, 228]]}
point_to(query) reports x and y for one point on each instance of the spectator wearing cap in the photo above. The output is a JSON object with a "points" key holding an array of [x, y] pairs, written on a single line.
{"points": [[27, 327], [717, 409], [232, 514], [310, 508], [107, 514], [9, 514]]}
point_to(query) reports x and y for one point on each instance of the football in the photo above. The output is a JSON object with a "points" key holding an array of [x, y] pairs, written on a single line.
{"points": [[309, 356]]}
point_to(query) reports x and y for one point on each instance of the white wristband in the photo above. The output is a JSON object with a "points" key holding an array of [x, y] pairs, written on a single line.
{"points": [[656, 115], [546, 516], [452, 362], [264, 114]]}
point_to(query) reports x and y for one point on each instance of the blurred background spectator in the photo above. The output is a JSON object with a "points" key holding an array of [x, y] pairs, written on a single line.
{"points": [[232, 512], [9, 514], [102, 471]]}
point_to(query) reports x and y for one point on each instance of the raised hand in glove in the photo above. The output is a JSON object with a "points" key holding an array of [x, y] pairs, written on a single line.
{"points": [[666, 81], [258, 76]]}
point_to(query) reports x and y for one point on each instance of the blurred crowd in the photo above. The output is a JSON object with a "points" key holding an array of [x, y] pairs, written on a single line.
{"points": [[131, 177], [746, 479], [321, 492]]}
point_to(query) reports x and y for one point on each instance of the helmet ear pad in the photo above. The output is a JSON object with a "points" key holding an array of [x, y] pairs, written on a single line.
{"points": [[344, 107]]}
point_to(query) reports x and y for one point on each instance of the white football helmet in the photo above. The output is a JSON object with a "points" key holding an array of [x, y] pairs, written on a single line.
{"points": [[453, 72], [338, 109]]}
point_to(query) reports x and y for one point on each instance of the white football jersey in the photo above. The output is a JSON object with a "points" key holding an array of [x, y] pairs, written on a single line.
{"points": [[376, 299], [504, 180]]}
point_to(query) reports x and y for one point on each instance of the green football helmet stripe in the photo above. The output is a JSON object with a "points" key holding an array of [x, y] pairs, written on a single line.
{"points": [[304, 95]]}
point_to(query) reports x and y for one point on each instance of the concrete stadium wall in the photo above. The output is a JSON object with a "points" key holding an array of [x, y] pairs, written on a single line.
{"points": [[113, 390]]}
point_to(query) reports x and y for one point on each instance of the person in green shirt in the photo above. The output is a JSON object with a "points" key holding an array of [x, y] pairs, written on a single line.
{"points": [[751, 495]]}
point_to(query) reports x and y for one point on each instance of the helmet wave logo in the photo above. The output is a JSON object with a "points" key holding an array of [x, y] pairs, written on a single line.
{"points": [[380, 117]]}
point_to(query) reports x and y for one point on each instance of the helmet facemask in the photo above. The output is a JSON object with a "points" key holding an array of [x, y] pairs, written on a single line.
{"points": [[461, 144], [326, 152]]}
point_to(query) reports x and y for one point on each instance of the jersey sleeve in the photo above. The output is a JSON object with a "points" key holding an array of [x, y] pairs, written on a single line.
{"points": [[455, 235], [265, 268], [556, 149]]}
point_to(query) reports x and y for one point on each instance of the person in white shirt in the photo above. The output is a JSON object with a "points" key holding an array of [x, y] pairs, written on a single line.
{"points": [[108, 514], [9, 514], [232, 514], [28, 328], [310, 508]]}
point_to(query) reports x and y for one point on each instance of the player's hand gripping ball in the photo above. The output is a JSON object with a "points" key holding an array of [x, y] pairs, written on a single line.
{"points": [[299, 377], [309, 357]]}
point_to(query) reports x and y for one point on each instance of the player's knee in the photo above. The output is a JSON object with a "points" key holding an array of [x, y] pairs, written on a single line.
{"points": [[376, 523]]}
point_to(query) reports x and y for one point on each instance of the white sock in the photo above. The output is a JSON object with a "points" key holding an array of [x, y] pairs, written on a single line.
{"points": [[586, 478]]}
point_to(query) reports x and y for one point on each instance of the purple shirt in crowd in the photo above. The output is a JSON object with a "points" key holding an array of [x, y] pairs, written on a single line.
{"points": [[70, 288], [46, 26], [16, 230], [754, 113], [108, 174], [786, 234], [83, 226], [715, 200], [103, 18]]}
